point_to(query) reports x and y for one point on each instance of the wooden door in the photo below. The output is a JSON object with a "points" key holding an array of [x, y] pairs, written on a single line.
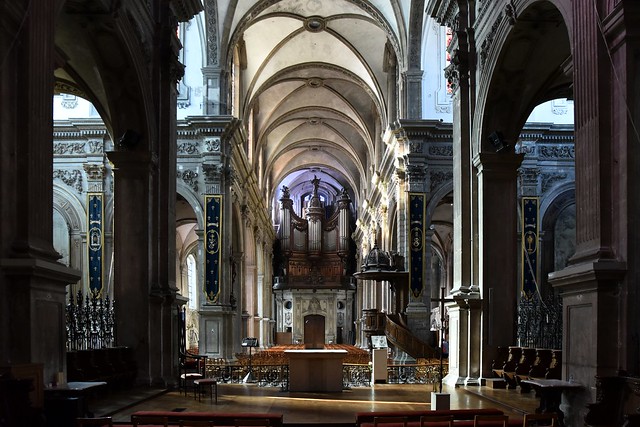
{"points": [[314, 331]]}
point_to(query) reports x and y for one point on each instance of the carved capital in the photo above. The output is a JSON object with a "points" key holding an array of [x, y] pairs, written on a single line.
{"points": [[212, 173], [457, 71], [94, 172]]}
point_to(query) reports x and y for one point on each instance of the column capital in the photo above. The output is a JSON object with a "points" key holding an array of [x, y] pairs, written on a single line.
{"points": [[133, 163], [506, 164]]}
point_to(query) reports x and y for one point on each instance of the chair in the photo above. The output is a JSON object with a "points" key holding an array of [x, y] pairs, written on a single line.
{"points": [[241, 422], [149, 420], [192, 367], [426, 420], [492, 420], [100, 421], [200, 386], [547, 419], [389, 420]]}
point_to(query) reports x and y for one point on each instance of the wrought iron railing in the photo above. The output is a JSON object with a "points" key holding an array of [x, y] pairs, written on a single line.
{"points": [[353, 374], [90, 322], [416, 373], [540, 322]]}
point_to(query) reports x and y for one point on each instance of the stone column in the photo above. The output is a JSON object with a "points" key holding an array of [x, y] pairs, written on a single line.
{"points": [[457, 73], [32, 282], [418, 312], [599, 286], [458, 342], [168, 72], [132, 257], [215, 321], [497, 257]]}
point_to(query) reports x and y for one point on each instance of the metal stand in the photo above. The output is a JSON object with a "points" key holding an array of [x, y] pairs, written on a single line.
{"points": [[249, 342]]}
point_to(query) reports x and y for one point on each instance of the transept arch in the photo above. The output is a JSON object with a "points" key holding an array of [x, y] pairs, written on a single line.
{"points": [[511, 81]]}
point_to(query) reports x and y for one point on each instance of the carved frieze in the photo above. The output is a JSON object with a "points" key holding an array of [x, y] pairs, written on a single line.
{"points": [[439, 178], [528, 149], [557, 151], [212, 145], [441, 150], [190, 177], [68, 148], [415, 146], [187, 148], [72, 178], [96, 147]]}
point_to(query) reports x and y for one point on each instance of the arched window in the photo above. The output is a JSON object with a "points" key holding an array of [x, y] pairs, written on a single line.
{"points": [[192, 281]]}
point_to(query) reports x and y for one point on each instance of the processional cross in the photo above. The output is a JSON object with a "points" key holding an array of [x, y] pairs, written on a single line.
{"points": [[441, 300]]}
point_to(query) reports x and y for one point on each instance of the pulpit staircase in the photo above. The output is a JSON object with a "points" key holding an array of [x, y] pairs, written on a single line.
{"points": [[399, 335]]}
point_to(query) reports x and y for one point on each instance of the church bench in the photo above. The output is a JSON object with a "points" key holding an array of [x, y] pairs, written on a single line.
{"points": [[462, 417], [218, 418], [509, 368], [114, 365]]}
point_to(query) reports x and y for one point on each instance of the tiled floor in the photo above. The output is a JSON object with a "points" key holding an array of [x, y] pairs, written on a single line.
{"points": [[313, 408]]}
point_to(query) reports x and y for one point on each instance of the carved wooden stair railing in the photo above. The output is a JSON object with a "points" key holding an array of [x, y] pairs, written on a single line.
{"points": [[400, 336]]}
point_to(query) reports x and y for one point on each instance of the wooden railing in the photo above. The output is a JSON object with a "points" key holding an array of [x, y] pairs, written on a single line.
{"points": [[404, 339]]}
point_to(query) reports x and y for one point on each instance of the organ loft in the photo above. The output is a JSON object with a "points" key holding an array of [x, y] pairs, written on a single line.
{"points": [[314, 259]]}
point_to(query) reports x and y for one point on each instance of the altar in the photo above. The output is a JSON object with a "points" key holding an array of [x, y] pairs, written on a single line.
{"points": [[317, 370]]}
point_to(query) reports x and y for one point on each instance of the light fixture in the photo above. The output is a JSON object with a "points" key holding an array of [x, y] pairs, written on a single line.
{"points": [[498, 142]]}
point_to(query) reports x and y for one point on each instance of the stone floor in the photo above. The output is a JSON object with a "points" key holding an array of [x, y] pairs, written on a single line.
{"points": [[312, 408]]}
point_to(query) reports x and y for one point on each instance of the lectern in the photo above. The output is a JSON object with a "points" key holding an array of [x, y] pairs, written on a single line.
{"points": [[249, 342]]}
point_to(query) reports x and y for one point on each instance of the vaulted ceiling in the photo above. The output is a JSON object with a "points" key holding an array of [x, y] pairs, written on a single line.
{"points": [[313, 83]]}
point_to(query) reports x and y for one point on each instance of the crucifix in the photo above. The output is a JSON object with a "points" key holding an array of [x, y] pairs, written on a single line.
{"points": [[441, 301]]}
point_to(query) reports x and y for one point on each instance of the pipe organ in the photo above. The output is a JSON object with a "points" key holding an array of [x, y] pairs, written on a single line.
{"points": [[314, 261]]}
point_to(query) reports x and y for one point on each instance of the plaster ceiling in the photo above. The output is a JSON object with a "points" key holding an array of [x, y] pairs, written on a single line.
{"points": [[313, 83]]}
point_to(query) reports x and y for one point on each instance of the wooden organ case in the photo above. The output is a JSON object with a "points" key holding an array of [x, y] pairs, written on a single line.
{"points": [[314, 259]]}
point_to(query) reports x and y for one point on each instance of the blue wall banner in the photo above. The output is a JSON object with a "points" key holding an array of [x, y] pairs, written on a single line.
{"points": [[416, 243], [95, 216], [213, 256], [530, 253]]}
